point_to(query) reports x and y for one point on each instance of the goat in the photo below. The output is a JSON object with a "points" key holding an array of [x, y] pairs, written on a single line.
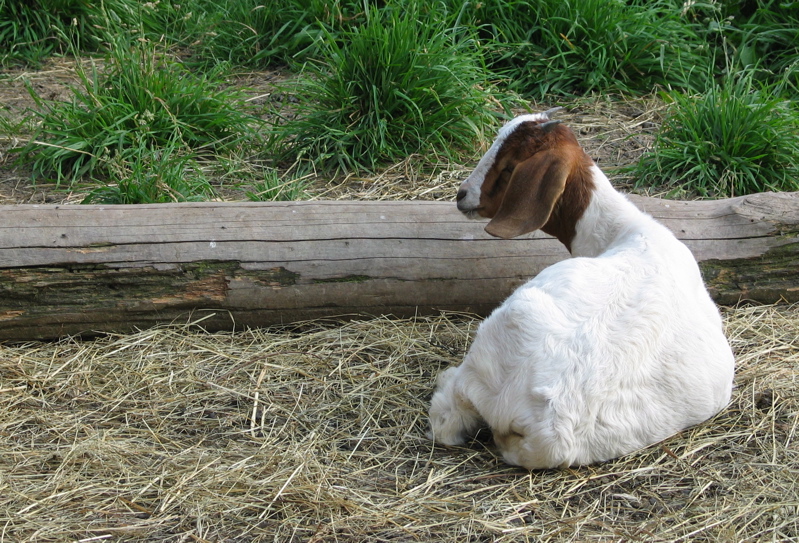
{"points": [[599, 355]]}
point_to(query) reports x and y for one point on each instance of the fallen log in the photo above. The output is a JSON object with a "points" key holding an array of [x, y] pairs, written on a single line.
{"points": [[90, 269]]}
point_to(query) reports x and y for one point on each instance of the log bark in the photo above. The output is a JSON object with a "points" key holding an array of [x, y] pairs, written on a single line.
{"points": [[91, 269]]}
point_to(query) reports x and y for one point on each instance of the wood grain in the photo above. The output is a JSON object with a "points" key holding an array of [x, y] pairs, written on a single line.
{"points": [[86, 269]]}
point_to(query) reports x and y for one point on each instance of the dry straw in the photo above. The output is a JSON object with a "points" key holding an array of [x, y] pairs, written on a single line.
{"points": [[614, 133], [315, 432]]}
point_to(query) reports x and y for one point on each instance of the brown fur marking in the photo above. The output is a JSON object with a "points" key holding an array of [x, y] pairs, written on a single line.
{"points": [[524, 142]]}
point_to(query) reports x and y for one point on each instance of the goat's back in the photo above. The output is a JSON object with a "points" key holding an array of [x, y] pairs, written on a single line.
{"points": [[597, 357]]}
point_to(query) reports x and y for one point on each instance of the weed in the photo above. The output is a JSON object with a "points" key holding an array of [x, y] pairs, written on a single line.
{"points": [[31, 30], [13, 127], [759, 35], [735, 139], [767, 36]]}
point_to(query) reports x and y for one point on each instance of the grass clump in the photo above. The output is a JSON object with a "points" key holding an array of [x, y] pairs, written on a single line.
{"points": [[737, 138], [139, 175], [752, 34], [768, 37], [276, 188], [144, 106], [32, 30], [258, 34], [387, 89], [574, 47]]}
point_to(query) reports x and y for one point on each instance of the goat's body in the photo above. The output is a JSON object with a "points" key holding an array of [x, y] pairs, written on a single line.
{"points": [[597, 356]]}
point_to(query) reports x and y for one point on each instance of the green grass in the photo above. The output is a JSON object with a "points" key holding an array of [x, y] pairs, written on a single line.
{"points": [[274, 187], [737, 138], [767, 36], [255, 33], [32, 30], [380, 81], [141, 175], [144, 103], [752, 34], [395, 86], [573, 47]]}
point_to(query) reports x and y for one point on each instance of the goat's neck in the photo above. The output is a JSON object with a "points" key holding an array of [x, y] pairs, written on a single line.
{"points": [[608, 216]]}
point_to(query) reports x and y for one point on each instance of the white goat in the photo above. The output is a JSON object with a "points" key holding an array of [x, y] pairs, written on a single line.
{"points": [[600, 354]]}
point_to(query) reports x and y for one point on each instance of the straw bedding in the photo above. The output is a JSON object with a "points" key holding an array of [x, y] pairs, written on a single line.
{"points": [[315, 432]]}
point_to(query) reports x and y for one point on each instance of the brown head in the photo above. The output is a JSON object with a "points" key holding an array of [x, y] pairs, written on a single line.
{"points": [[534, 176]]}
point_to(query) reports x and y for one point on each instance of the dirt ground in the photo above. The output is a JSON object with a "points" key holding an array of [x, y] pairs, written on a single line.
{"points": [[615, 133]]}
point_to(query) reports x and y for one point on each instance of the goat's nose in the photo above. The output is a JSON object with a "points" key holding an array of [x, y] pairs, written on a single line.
{"points": [[461, 195]]}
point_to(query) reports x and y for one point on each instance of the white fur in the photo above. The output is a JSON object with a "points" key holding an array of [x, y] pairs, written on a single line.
{"points": [[597, 356]]}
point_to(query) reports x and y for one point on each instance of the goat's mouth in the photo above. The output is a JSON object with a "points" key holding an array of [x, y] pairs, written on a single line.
{"points": [[472, 213], [468, 209], [469, 206]]}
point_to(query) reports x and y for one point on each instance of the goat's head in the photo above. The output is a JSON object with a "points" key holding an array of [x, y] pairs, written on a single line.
{"points": [[534, 176]]}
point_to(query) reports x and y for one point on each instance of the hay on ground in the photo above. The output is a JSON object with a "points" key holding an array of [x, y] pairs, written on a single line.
{"points": [[315, 432]]}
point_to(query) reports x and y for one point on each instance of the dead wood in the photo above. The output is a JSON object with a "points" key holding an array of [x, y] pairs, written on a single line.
{"points": [[81, 269]]}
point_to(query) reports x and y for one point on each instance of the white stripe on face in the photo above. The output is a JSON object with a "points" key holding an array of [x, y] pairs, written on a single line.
{"points": [[470, 190]]}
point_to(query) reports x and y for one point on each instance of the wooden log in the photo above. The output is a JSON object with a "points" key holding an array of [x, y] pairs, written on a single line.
{"points": [[88, 269]]}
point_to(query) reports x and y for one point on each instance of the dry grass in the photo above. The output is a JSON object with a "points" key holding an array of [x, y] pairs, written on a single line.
{"points": [[614, 131], [315, 433]]}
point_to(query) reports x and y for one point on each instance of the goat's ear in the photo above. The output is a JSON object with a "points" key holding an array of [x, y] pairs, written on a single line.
{"points": [[535, 187]]}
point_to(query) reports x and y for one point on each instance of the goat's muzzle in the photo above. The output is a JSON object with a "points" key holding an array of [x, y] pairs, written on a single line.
{"points": [[464, 206]]}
